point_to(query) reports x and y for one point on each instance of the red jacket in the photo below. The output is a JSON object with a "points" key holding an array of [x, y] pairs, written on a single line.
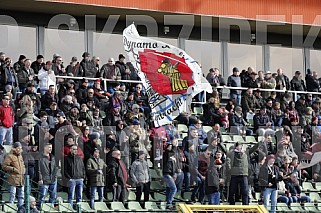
{"points": [[6, 116]]}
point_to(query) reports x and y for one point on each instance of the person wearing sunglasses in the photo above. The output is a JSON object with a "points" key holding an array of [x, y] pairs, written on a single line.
{"points": [[110, 70]]}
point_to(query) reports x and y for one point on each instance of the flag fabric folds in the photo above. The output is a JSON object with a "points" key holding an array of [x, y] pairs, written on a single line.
{"points": [[171, 77]]}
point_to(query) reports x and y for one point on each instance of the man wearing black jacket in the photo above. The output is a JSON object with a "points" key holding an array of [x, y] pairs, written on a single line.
{"points": [[268, 178], [88, 66], [312, 81], [117, 176], [74, 170]]}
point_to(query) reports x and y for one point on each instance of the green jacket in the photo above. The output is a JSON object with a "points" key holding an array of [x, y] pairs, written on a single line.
{"points": [[238, 164], [95, 178]]}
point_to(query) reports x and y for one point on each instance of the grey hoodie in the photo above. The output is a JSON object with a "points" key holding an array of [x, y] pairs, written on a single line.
{"points": [[140, 172]]}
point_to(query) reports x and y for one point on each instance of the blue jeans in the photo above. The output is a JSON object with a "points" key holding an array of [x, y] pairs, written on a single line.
{"points": [[179, 181], [270, 194], [237, 98], [6, 133], [235, 181], [170, 189], [93, 189], [200, 188], [187, 181], [19, 190], [285, 199], [75, 185], [43, 189], [214, 199], [279, 122], [302, 199]]}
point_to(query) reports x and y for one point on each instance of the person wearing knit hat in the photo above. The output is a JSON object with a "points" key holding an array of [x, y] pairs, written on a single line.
{"points": [[38, 64], [140, 175], [20, 63], [268, 179]]}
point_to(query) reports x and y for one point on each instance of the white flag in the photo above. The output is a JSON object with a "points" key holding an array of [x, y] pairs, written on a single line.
{"points": [[170, 76]]}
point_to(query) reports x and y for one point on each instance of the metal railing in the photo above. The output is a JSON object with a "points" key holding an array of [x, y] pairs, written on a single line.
{"points": [[186, 208], [105, 80]]}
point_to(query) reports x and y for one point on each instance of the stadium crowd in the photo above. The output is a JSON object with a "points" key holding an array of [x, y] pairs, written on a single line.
{"points": [[100, 136]]}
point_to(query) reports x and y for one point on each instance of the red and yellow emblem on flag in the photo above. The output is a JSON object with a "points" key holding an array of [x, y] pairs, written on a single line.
{"points": [[167, 73]]}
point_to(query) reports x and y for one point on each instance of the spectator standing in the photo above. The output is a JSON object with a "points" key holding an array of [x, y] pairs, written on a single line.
{"points": [[9, 76], [190, 167], [312, 82], [212, 185], [124, 69], [38, 64], [88, 66], [204, 160], [251, 82], [25, 75], [74, 68], [13, 164], [19, 64], [235, 81], [6, 121], [269, 177], [47, 173], [297, 84], [117, 176], [237, 164], [169, 172], [110, 70], [46, 78], [282, 81], [96, 178], [2, 59], [140, 175], [59, 69], [74, 170]]}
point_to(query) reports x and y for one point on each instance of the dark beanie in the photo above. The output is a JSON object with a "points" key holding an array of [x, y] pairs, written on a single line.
{"points": [[85, 54], [39, 56], [121, 56], [235, 69], [22, 57]]}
